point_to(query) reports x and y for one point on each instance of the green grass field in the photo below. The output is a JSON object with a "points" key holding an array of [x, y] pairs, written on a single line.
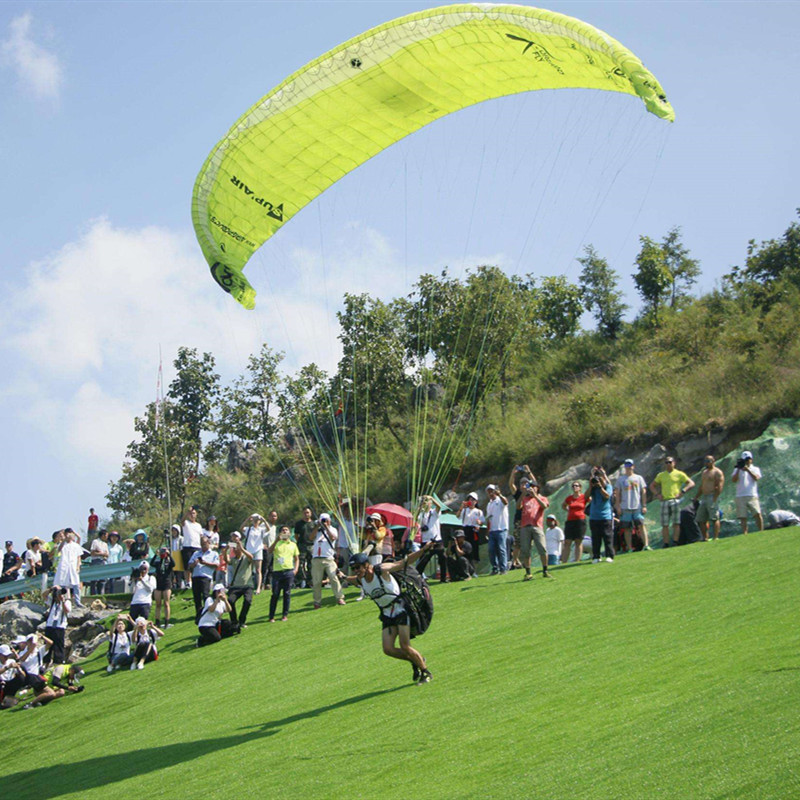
{"points": [[670, 674]]}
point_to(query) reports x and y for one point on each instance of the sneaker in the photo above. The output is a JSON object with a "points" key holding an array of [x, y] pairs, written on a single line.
{"points": [[527, 577], [271, 619], [283, 619], [547, 574], [610, 560], [647, 547], [595, 561], [359, 598], [424, 677], [109, 668], [242, 627], [133, 666], [341, 602], [169, 625], [415, 678]]}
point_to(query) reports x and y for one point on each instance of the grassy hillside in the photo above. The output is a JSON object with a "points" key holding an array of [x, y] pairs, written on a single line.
{"points": [[666, 674]]}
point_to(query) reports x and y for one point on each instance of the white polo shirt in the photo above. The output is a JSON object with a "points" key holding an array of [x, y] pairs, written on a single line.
{"points": [[497, 515]]}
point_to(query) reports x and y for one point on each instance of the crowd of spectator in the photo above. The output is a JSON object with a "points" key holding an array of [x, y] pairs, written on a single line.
{"points": [[224, 576]]}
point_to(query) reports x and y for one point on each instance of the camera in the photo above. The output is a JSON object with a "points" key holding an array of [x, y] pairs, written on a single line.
{"points": [[740, 463], [369, 528], [424, 529], [595, 481], [519, 468], [63, 590]]}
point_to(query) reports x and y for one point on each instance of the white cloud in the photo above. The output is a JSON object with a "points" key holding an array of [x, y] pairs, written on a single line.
{"points": [[38, 70], [88, 321]]}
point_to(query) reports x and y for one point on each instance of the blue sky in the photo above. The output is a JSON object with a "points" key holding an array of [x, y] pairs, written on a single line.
{"points": [[107, 111]]}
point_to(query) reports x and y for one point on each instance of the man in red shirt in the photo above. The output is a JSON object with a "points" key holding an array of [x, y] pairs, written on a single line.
{"points": [[532, 531], [91, 530]]}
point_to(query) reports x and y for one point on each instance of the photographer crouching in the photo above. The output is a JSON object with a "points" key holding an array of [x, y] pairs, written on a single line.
{"points": [[240, 578]]}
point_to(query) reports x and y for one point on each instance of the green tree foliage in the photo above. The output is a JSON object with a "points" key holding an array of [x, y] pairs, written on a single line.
{"points": [[652, 277], [193, 393], [247, 409], [142, 486], [601, 295], [684, 271], [770, 268], [559, 305]]}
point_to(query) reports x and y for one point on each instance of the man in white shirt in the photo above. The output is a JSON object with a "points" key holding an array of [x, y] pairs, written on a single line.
{"points": [[192, 531], [99, 553], [746, 478], [630, 500], [430, 530], [554, 540], [202, 565], [323, 560], [68, 572], [253, 529], [497, 526], [56, 624], [268, 537]]}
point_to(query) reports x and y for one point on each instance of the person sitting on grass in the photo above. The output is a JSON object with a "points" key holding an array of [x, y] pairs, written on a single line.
{"points": [[119, 644], [14, 678], [143, 640], [210, 625], [285, 564], [33, 653], [379, 585]]}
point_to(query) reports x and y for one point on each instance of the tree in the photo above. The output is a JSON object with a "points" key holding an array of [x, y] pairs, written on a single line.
{"points": [[245, 410], [143, 484], [600, 293], [558, 309], [193, 392], [652, 278], [683, 270]]}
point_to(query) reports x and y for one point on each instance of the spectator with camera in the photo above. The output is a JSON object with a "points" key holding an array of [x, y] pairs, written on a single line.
{"points": [[459, 563], [575, 526], [746, 477], [712, 482], [202, 565], [268, 539], [254, 532], [162, 567], [14, 677], [143, 585], [120, 638], [98, 551], [240, 579], [58, 611], [471, 520], [531, 533], [601, 515], [524, 473], [285, 564], [669, 486], [143, 640], [429, 527], [323, 561], [210, 623]]}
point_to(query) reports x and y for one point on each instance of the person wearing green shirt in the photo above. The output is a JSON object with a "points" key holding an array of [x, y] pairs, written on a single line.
{"points": [[669, 486], [285, 563]]}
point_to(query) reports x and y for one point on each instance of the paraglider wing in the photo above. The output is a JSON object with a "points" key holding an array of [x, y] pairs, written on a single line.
{"points": [[346, 106]]}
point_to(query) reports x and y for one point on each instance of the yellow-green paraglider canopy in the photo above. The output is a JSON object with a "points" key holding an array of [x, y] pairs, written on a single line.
{"points": [[363, 96]]}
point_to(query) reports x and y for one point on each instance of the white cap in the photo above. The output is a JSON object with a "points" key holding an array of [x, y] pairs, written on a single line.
{"points": [[5, 650], [472, 496], [491, 488], [375, 515], [324, 517], [746, 454], [551, 516], [144, 564], [140, 621], [218, 587], [19, 640], [235, 535]]}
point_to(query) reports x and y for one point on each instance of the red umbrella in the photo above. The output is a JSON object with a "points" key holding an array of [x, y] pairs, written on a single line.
{"points": [[393, 514]]}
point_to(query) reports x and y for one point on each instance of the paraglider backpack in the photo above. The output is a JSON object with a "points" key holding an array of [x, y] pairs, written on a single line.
{"points": [[416, 598]]}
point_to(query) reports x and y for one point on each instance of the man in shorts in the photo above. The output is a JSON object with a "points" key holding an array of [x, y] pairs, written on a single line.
{"points": [[531, 531], [711, 482], [630, 499], [746, 477], [669, 486]]}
